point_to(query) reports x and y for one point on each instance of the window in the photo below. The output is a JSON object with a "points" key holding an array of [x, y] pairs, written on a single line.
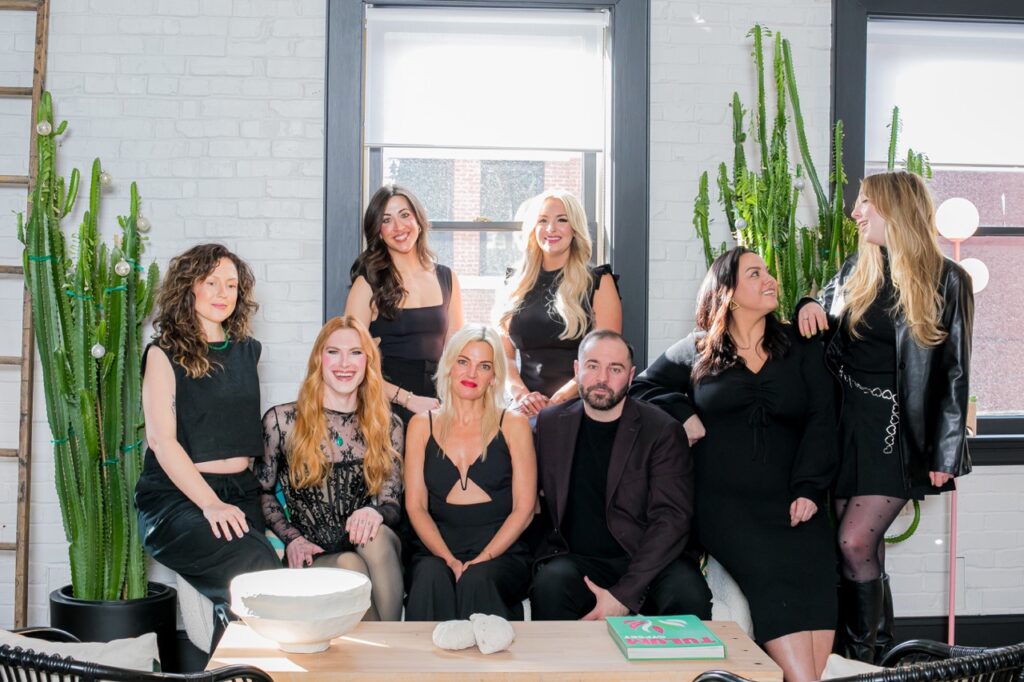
{"points": [[459, 103], [952, 67]]}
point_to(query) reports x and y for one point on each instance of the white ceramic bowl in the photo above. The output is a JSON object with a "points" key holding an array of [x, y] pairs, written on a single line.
{"points": [[302, 609]]}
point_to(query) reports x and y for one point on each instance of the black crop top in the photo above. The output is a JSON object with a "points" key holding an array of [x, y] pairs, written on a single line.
{"points": [[218, 415], [417, 333]]}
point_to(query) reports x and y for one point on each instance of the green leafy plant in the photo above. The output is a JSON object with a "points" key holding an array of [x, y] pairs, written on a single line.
{"points": [[760, 202], [89, 301]]}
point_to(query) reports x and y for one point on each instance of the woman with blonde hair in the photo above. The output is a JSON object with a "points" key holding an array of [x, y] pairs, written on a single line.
{"points": [[197, 499], [556, 298], [334, 452], [900, 317], [470, 489]]}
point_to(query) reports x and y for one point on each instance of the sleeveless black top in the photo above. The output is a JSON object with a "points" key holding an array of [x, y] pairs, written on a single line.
{"points": [[416, 333], [545, 361], [218, 415], [467, 528]]}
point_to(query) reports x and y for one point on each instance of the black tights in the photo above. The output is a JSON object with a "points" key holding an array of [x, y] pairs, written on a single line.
{"points": [[863, 521]]}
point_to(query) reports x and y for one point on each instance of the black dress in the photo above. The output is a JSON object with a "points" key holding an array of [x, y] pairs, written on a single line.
{"points": [[217, 417], [869, 419], [412, 341], [770, 439], [545, 361], [497, 586]]}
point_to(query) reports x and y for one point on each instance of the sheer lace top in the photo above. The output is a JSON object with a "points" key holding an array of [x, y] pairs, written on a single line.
{"points": [[318, 513]]}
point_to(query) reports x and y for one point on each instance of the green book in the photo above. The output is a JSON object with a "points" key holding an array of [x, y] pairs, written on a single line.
{"points": [[664, 637]]}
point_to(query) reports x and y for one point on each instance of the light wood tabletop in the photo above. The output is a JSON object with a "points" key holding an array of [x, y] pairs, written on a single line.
{"points": [[549, 651]]}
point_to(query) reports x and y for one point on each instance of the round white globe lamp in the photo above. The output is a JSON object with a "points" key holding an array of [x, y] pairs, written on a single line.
{"points": [[957, 220], [978, 272]]}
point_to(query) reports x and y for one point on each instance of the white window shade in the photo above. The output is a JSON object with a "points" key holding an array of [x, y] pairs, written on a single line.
{"points": [[958, 87], [486, 78]]}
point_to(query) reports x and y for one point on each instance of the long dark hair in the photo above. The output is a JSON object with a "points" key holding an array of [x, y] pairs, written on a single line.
{"points": [[178, 331], [716, 351], [374, 264]]}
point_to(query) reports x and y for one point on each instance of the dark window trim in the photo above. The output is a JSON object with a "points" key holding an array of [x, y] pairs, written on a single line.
{"points": [[628, 185], [849, 75]]}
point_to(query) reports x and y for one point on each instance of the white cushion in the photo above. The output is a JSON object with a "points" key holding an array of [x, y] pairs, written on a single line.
{"points": [[728, 602], [133, 653], [837, 666]]}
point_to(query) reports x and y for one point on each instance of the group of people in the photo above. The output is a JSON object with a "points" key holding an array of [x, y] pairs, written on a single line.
{"points": [[465, 468]]}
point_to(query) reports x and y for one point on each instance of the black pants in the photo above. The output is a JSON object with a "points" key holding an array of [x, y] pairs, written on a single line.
{"points": [[496, 587], [175, 532], [559, 593]]}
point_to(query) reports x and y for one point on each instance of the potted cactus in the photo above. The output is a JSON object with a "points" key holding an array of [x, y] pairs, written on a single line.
{"points": [[89, 301]]}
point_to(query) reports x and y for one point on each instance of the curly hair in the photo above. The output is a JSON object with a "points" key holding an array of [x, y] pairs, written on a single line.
{"points": [[716, 350], [374, 263], [178, 331], [307, 462]]}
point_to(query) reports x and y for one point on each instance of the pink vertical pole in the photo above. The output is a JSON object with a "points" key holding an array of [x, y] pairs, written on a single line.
{"points": [[951, 634]]}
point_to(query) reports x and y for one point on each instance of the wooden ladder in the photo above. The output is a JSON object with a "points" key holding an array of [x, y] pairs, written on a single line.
{"points": [[23, 453]]}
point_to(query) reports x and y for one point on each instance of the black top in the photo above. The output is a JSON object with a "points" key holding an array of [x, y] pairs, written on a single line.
{"points": [[217, 415], [585, 525], [416, 333], [545, 361], [319, 513], [467, 528], [875, 351]]}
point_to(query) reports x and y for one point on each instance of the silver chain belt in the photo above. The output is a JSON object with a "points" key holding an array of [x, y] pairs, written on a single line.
{"points": [[884, 394]]}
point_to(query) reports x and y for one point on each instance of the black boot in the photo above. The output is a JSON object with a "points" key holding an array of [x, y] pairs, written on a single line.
{"points": [[860, 610], [885, 639]]}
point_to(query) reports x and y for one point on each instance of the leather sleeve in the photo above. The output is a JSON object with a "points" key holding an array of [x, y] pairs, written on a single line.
{"points": [[666, 382], [669, 514], [952, 374]]}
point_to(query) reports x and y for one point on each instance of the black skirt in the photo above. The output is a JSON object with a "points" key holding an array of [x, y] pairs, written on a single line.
{"points": [[871, 462]]}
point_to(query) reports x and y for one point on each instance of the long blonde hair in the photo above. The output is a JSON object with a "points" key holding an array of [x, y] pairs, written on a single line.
{"points": [[307, 459], [494, 396], [571, 302], [915, 260]]}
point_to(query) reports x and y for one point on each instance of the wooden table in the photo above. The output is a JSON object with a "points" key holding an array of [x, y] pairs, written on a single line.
{"points": [[554, 650]]}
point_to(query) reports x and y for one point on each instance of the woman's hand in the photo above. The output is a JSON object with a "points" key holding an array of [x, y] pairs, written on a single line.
{"points": [[362, 525], [418, 404], [939, 478], [531, 403], [484, 556], [567, 392], [812, 319], [225, 518], [694, 429], [457, 567], [300, 552], [801, 510]]}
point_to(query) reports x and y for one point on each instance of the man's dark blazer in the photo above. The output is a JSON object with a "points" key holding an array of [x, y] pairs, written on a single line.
{"points": [[649, 502]]}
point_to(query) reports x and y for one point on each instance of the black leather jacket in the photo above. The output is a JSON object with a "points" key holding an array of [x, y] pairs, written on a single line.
{"points": [[931, 383]]}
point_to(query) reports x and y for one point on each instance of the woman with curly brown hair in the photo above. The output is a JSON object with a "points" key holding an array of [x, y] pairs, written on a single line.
{"points": [[198, 500], [335, 453], [406, 300]]}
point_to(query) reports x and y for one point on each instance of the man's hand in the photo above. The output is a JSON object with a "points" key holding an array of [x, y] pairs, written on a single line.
{"points": [[607, 605]]}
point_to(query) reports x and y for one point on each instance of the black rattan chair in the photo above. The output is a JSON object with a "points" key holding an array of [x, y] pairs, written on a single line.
{"points": [[17, 664], [926, 661]]}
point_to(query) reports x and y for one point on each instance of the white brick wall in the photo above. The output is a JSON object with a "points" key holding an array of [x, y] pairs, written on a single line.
{"points": [[215, 108]]}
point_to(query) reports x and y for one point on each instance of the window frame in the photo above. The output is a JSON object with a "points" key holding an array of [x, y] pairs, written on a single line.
{"points": [[628, 224], [1000, 439]]}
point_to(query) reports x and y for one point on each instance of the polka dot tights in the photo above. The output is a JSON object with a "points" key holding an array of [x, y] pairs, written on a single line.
{"points": [[863, 521]]}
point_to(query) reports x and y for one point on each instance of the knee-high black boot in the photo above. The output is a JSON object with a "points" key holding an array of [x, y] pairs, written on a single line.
{"points": [[885, 638], [860, 609]]}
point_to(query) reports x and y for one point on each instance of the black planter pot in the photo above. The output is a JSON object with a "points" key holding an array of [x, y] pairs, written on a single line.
{"points": [[102, 621]]}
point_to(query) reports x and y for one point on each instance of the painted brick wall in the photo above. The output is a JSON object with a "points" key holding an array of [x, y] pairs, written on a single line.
{"points": [[215, 108]]}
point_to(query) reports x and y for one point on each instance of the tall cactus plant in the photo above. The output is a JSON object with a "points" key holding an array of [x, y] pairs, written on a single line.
{"points": [[760, 203], [89, 301]]}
